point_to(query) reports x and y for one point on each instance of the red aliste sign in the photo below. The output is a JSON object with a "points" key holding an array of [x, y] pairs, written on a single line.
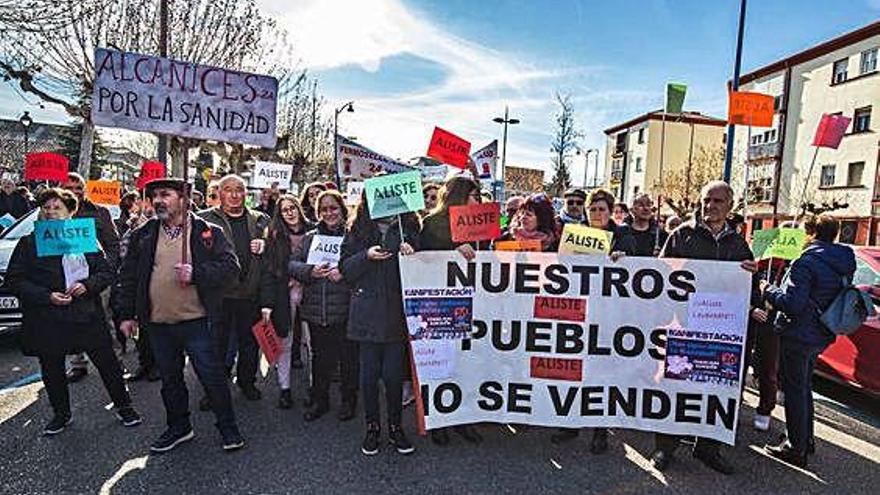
{"points": [[449, 148], [830, 131], [150, 171], [477, 222], [46, 166]]}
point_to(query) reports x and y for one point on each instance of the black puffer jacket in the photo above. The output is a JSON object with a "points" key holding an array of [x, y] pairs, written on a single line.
{"points": [[376, 312], [324, 302], [48, 329]]}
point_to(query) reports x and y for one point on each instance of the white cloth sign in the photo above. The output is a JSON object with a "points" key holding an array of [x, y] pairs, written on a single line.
{"points": [[153, 94], [325, 249], [76, 268], [357, 162], [268, 173], [581, 341]]}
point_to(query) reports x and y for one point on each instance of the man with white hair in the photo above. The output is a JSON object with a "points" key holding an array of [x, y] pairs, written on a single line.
{"points": [[246, 229], [708, 236]]}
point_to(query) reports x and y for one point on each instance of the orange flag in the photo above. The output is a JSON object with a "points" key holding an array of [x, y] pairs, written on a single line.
{"points": [[754, 109]]}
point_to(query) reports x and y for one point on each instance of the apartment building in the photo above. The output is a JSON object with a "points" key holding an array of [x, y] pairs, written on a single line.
{"points": [[633, 150], [772, 164]]}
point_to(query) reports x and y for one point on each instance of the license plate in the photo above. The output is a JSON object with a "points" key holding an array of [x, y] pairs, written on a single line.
{"points": [[8, 302]]}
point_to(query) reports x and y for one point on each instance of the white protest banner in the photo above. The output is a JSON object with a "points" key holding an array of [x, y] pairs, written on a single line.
{"points": [[485, 159], [325, 250], [357, 162], [268, 173], [578, 341], [153, 94]]}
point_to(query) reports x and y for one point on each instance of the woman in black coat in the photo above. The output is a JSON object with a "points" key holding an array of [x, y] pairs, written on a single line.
{"points": [[325, 307], [62, 313], [376, 321], [281, 295]]}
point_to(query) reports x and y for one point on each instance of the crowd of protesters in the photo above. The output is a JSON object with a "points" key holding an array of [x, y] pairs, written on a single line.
{"points": [[189, 274]]}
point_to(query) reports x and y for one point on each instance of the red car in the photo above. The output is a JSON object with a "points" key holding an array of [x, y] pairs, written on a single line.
{"points": [[854, 360]]}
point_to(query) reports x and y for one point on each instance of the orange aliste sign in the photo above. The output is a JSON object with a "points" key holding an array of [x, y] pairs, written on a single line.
{"points": [[104, 192]]}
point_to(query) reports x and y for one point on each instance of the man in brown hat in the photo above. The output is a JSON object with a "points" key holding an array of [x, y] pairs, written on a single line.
{"points": [[171, 282]]}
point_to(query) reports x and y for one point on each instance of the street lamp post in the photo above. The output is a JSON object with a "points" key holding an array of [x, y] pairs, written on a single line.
{"points": [[505, 121], [587, 166], [348, 107], [26, 122]]}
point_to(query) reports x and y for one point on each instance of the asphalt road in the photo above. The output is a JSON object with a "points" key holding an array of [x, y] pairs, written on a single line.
{"points": [[286, 455]]}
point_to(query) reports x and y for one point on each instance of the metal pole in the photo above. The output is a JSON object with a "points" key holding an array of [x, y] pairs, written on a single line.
{"points": [[807, 181], [26, 147], [731, 129], [162, 146], [504, 152], [336, 148]]}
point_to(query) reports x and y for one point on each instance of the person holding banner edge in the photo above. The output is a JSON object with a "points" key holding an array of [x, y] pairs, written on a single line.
{"points": [[179, 302], [436, 235], [376, 319], [325, 306], [534, 221], [707, 236], [280, 295], [62, 313]]}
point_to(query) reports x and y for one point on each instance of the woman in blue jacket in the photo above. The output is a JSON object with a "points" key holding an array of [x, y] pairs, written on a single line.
{"points": [[813, 281]]}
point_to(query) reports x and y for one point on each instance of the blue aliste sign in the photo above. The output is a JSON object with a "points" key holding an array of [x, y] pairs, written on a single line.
{"points": [[59, 237]]}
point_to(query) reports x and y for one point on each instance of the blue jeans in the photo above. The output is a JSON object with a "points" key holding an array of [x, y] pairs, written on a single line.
{"points": [[382, 362], [194, 337], [798, 361]]}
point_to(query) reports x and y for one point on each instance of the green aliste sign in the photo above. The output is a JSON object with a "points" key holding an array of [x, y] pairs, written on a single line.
{"points": [[394, 194], [783, 243]]}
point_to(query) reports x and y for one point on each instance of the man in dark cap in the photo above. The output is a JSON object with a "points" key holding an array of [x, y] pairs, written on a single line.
{"points": [[171, 282], [573, 208]]}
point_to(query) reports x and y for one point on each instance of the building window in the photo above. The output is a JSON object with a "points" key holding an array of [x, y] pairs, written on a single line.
{"points": [[854, 174], [827, 179], [757, 224], [862, 120], [840, 68], [777, 103], [642, 135], [638, 164], [635, 191], [869, 61]]}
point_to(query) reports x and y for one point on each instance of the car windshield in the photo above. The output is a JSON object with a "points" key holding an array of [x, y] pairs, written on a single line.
{"points": [[22, 227], [865, 275]]}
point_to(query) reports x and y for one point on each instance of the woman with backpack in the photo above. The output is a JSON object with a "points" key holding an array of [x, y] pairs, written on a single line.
{"points": [[370, 264], [814, 280]]}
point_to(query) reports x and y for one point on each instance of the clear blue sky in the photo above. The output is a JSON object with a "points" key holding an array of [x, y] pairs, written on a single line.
{"points": [[412, 64]]}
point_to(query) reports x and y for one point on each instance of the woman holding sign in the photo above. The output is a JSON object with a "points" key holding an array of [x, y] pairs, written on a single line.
{"points": [[534, 221], [325, 307], [369, 263], [61, 307], [280, 295], [436, 235]]}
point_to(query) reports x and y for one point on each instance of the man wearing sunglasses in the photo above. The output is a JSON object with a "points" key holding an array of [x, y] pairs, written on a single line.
{"points": [[573, 208]]}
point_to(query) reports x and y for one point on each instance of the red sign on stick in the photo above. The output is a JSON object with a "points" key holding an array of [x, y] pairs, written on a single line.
{"points": [[449, 148], [571, 370], [560, 308], [269, 342], [46, 166], [754, 109], [830, 131], [150, 171], [477, 222]]}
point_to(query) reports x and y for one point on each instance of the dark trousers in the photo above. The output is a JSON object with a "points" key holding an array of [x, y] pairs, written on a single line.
{"points": [[238, 317], [668, 443], [145, 352], [382, 362], [768, 369], [798, 361], [330, 348], [196, 340], [103, 358]]}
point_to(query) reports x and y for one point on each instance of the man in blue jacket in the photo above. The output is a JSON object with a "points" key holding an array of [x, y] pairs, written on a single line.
{"points": [[813, 282], [176, 293]]}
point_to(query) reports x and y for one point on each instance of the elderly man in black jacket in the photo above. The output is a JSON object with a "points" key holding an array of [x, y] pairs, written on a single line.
{"points": [[172, 282], [109, 239], [706, 237]]}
